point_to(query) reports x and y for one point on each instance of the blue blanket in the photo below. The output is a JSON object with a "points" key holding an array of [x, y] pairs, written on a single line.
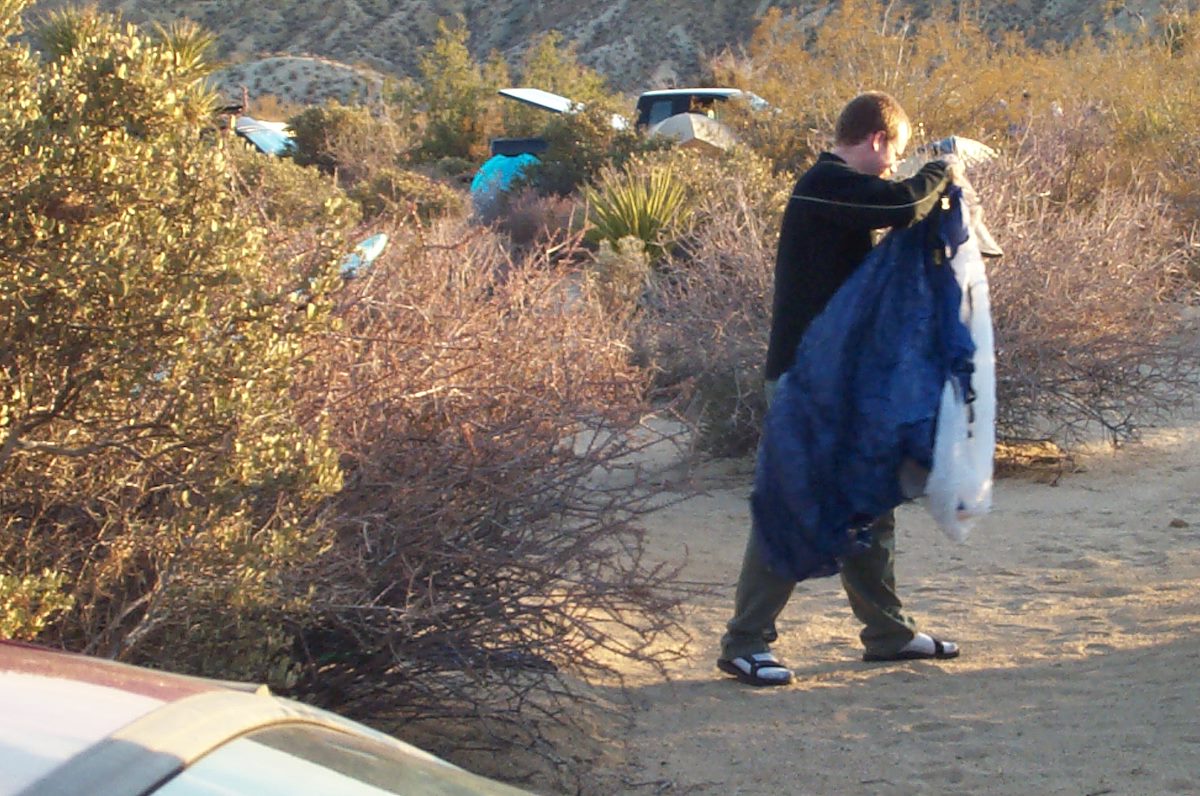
{"points": [[861, 397]]}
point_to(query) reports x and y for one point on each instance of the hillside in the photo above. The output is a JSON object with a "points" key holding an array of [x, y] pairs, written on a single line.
{"points": [[636, 44]]}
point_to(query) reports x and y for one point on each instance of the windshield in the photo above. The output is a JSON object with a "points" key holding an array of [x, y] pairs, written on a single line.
{"points": [[306, 760]]}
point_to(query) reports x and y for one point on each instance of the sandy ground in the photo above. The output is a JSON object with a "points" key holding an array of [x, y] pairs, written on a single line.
{"points": [[1077, 605]]}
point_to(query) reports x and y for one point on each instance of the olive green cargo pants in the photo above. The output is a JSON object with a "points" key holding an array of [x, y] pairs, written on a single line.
{"points": [[869, 581], [868, 578]]}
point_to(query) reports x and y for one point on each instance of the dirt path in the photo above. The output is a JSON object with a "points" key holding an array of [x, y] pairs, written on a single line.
{"points": [[1078, 609]]}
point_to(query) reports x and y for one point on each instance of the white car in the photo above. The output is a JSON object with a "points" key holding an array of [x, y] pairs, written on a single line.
{"points": [[72, 725]]}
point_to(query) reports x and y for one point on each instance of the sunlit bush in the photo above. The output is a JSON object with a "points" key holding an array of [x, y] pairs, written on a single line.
{"points": [[286, 193], [402, 191], [1086, 300], [351, 141], [151, 459], [552, 65]]}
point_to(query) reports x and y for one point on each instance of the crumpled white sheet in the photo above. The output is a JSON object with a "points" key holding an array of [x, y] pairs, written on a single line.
{"points": [[959, 488]]}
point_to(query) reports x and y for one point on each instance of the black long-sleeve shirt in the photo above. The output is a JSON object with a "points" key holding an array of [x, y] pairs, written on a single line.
{"points": [[826, 233]]}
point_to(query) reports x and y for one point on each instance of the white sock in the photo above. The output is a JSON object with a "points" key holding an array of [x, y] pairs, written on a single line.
{"points": [[921, 643]]}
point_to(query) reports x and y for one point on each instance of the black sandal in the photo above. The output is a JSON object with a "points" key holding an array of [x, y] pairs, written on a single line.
{"points": [[940, 652], [754, 665]]}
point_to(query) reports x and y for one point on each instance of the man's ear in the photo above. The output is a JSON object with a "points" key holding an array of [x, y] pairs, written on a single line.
{"points": [[879, 140]]}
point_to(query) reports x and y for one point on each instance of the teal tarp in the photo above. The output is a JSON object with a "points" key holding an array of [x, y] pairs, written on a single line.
{"points": [[495, 176]]}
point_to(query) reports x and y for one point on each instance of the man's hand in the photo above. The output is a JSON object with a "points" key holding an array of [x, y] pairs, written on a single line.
{"points": [[956, 169]]}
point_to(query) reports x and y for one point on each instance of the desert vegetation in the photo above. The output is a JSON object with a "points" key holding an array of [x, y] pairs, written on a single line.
{"points": [[414, 494]]}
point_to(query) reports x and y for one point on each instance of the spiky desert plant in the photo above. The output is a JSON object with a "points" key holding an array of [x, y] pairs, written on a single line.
{"points": [[636, 201], [190, 45]]}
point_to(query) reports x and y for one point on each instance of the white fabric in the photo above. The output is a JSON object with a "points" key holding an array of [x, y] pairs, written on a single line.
{"points": [[959, 488]]}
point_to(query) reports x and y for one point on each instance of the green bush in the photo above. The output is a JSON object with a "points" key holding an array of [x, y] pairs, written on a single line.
{"points": [[400, 191], [151, 459], [287, 193], [352, 141], [552, 65], [29, 602], [580, 145], [457, 98], [453, 167]]}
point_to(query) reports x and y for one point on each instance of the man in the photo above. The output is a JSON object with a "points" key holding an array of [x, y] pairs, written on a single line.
{"points": [[826, 232]]}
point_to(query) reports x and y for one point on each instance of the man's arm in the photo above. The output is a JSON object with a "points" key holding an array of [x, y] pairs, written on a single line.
{"points": [[850, 198]]}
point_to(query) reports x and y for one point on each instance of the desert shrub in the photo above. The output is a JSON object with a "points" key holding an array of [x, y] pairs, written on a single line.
{"points": [[580, 144], [368, 151], [954, 79], [28, 603], [530, 219], [486, 555], [353, 141], [950, 76], [705, 324], [314, 130], [457, 97], [402, 190], [646, 203], [452, 167], [701, 178], [1084, 301], [704, 178], [270, 106], [422, 506], [618, 274], [1153, 110], [285, 193], [152, 467], [705, 315]]}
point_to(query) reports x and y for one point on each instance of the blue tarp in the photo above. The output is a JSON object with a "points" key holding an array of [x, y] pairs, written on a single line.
{"points": [[273, 138], [495, 176], [357, 261], [861, 397]]}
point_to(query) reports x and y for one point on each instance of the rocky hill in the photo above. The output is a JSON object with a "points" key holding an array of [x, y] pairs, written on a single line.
{"points": [[635, 43]]}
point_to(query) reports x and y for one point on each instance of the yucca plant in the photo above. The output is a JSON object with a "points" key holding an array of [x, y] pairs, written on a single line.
{"points": [[191, 46], [641, 201], [60, 32]]}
